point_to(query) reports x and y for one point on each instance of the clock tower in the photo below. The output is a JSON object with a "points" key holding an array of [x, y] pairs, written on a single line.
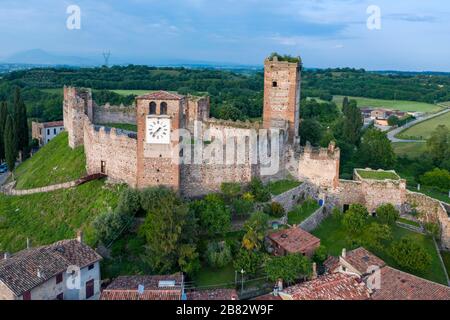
{"points": [[282, 96], [158, 114]]}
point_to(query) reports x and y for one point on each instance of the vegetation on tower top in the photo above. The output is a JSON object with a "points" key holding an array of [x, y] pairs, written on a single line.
{"points": [[285, 57]]}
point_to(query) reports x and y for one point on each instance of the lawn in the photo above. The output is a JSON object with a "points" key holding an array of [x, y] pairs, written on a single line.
{"points": [[410, 222], [409, 149], [54, 163], [378, 175], [391, 104], [334, 237], [123, 126], [303, 211], [53, 216], [208, 276], [281, 186], [423, 130], [446, 257]]}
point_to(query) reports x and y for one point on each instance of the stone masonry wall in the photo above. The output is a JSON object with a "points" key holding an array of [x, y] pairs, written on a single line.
{"points": [[116, 149], [293, 197], [114, 114], [431, 210]]}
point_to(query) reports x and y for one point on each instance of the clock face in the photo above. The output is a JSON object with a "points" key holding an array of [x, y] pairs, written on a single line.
{"points": [[158, 130]]}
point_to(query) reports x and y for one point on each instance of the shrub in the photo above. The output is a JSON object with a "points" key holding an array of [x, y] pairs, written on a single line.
{"points": [[129, 202], [218, 254], [376, 234], [242, 207], [433, 229], [249, 261], [320, 254], [355, 218], [230, 189], [259, 191], [108, 225], [409, 254], [274, 209], [213, 215], [255, 228], [439, 178], [387, 214], [289, 268]]}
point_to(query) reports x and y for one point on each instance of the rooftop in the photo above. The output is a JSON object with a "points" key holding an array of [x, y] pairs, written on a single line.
{"points": [[53, 124], [214, 294], [377, 174], [29, 268], [294, 240], [161, 95], [362, 260]]}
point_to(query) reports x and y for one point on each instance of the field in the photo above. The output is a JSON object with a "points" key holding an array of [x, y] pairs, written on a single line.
{"points": [[391, 104], [423, 130], [409, 149], [334, 237], [54, 163], [281, 186], [53, 216]]}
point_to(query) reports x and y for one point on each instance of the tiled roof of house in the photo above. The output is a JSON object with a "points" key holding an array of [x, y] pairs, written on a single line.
{"points": [[399, 285], [158, 287], [53, 124], [362, 260], [294, 239], [214, 294], [161, 95], [31, 267], [267, 297], [334, 286], [331, 264]]}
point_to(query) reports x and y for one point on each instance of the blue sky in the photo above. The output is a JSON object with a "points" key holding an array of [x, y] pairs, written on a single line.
{"points": [[414, 35]]}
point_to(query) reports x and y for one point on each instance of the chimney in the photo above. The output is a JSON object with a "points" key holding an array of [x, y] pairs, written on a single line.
{"points": [[6, 255], [28, 243], [280, 284], [80, 236], [344, 253], [314, 271]]}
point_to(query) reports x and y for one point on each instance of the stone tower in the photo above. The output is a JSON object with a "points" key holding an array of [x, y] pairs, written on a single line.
{"points": [[77, 106], [158, 114], [282, 96]]}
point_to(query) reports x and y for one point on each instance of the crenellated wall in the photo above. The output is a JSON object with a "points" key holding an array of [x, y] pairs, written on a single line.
{"points": [[114, 114]]}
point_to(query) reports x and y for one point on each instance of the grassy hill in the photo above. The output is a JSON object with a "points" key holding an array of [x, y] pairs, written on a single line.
{"points": [[49, 217], [410, 149], [54, 163], [391, 104], [423, 130]]}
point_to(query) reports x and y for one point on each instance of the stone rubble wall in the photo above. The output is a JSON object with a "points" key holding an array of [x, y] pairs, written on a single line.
{"points": [[314, 220], [297, 195], [114, 114]]}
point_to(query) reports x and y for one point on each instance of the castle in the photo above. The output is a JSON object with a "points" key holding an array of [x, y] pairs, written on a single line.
{"points": [[146, 158]]}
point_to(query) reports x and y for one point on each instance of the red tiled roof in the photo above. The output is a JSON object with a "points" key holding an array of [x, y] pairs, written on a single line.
{"points": [[147, 295], [161, 95], [53, 124], [267, 297], [294, 240], [361, 260], [335, 286], [399, 285], [331, 264], [215, 294]]}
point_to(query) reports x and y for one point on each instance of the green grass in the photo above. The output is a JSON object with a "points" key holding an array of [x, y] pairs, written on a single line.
{"points": [[446, 257], [410, 222], [123, 126], [391, 104], [54, 163], [208, 276], [377, 175], [303, 211], [334, 237], [423, 130], [53, 216], [281, 186], [409, 149]]}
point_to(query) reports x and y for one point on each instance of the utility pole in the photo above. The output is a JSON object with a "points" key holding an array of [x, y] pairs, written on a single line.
{"points": [[106, 56], [242, 280]]}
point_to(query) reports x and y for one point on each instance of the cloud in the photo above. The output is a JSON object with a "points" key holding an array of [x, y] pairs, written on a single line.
{"points": [[412, 17]]}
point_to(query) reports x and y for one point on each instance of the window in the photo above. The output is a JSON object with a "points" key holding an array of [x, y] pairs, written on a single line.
{"points": [[163, 108], [274, 84], [48, 131], [27, 295], [59, 278], [152, 108], [91, 267], [54, 131], [40, 130], [60, 296], [89, 288]]}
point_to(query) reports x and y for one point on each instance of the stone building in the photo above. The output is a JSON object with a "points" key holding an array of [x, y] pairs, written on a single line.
{"points": [[178, 145], [43, 132], [65, 270]]}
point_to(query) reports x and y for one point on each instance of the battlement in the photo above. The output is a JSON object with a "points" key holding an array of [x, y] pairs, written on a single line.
{"points": [[234, 124], [318, 153]]}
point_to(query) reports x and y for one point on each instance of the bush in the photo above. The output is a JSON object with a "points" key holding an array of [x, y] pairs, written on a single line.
{"points": [[242, 207], [433, 229], [387, 214], [409, 254], [108, 225], [249, 261], [129, 202], [230, 190], [320, 254], [355, 218], [213, 215], [274, 209], [438, 178], [218, 254], [259, 191], [289, 268]]}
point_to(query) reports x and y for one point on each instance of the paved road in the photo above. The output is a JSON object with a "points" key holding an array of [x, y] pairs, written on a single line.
{"points": [[391, 134]]}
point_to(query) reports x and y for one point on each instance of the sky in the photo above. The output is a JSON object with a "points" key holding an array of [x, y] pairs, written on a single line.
{"points": [[413, 34]]}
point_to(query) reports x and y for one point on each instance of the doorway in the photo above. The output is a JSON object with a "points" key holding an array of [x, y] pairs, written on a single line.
{"points": [[103, 167]]}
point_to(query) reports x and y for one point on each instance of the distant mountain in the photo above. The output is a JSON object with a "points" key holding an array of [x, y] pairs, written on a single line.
{"points": [[41, 57]]}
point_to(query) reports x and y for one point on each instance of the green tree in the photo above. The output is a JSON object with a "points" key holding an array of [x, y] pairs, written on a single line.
{"points": [[438, 178], [376, 150], [345, 105], [376, 235], [438, 145], [355, 218], [255, 231], [231, 113], [274, 209], [108, 225], [393, 120], [20, 122], [310, 131], [218, 254], [249, 261], [213, 215], [3, 116], [353, 123], [10, 143], [320, 254], [259, 191], [409, 254], [290, 268], [387, 214]]}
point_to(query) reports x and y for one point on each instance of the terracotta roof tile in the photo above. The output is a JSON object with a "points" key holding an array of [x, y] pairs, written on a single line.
{"points": [[215, 294], [161, 95], [294, 240], [53, 124], [361, 260]]}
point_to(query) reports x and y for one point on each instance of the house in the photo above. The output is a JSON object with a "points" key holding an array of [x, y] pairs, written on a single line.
{"points": [[160, 287], [359, 262], [65, 270], [293, 240], [43, 132], [157, 287]]}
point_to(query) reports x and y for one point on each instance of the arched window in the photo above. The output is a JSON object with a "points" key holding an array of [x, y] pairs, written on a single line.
{"points": [[163, 108], [152, 108]]}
